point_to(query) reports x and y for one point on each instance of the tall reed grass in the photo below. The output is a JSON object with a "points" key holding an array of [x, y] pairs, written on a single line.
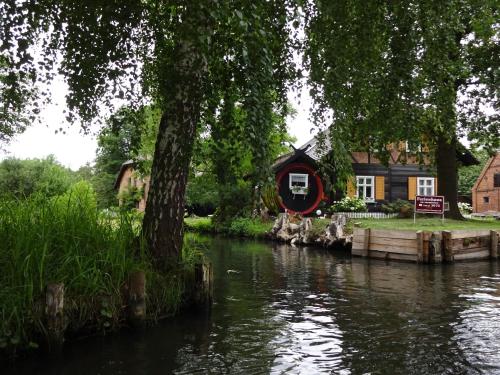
{"points": [[66, 240]]}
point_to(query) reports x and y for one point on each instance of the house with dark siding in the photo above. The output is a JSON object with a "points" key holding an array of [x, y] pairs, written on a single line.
{"points": [[302, 188]]}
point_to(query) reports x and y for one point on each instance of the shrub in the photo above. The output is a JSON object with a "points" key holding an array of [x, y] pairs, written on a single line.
{"points": [[202, 195], [403, 208], [66, 239], [131, 197], [349, 204], [235, 201], [22, 178], [246, 227]]}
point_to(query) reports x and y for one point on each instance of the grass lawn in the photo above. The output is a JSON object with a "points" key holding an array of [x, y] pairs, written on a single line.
{"points": [[241, 227], [199, 224], [244, 227], [429, 224], [255, 228]]}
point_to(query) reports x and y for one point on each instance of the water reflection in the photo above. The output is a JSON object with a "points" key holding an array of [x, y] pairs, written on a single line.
{"points": [[309, 311]]}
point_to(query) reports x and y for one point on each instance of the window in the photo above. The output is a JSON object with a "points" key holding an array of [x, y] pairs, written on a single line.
{"points": [[299, 183], [365, 187], [496, 180], [486, 199], [425, 185]]}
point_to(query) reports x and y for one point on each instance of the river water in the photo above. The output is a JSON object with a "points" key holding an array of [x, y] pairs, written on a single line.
{"points": [[286, 310]]}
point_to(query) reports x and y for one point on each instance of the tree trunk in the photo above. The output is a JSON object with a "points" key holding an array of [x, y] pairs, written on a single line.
{"points": [[446, 163], [164, 216]]}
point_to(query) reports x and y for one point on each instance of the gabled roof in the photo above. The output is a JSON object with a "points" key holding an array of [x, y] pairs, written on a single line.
{"points": [[485, 169], [298, 153], [123, 168], [312, 149]]}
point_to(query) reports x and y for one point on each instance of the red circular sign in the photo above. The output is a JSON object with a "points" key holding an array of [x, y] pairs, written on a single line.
{"points": [[302, 168]]}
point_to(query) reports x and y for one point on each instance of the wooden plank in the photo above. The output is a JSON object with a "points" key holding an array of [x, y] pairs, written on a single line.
{"points": [[392, 256], [471, 250], [447, 250], [470, 242], [361, 240], [412, 244], [358, 245], [393, 249], [358, 232], [366, 242], [485, 254], [426, 237], [469, 233], [357, 252], [420, 247], [402, 234], [435, 247]]}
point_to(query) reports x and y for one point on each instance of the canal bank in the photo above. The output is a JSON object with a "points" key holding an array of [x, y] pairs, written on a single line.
{"points": [[299, 310], [68, 270], [426, 246], [426, 241]]}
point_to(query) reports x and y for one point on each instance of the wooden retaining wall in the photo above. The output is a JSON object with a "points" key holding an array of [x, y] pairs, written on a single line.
{"points": [[425, 246]]}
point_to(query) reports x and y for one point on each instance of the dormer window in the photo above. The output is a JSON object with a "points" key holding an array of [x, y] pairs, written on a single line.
{"points": [[299, 183]]}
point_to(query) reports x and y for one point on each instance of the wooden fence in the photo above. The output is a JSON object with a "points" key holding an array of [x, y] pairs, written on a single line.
{"points": [[367, 215], [424, 246]]}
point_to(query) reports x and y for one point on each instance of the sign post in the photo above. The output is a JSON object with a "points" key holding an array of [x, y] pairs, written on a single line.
{"points": [[429, 204]]}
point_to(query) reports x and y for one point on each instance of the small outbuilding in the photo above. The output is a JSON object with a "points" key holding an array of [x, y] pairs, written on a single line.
{"points": [[486, 190], [128, 181]]}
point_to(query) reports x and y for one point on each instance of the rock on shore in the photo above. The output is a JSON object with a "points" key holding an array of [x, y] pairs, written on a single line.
{"points": [[298, 230]]}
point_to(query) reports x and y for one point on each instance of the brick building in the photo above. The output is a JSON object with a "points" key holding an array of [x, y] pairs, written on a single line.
{"points": [[486, 190], [128, 180]]}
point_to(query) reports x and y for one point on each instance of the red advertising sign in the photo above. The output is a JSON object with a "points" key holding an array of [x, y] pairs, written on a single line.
{"points": [[429, 204]]}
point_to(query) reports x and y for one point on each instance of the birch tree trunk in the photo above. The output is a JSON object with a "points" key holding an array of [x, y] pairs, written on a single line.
{"points": [[163, 220]]}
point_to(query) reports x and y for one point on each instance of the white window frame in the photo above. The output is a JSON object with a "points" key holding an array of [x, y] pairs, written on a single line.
{"points": [[425, 186], [364, 184], [304, 189]]}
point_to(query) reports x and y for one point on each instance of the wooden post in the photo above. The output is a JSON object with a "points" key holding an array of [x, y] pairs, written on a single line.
{"points": [[494, 244], [366, 242], [54, 314], [203, 277], [137, 297], [425, 246], [420, 246], [447, 246], [435, 247]]}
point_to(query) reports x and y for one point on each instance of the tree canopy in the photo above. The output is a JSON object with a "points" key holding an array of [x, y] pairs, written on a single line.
{"points": [[184, 56], [423, 71], [22, 178]]}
